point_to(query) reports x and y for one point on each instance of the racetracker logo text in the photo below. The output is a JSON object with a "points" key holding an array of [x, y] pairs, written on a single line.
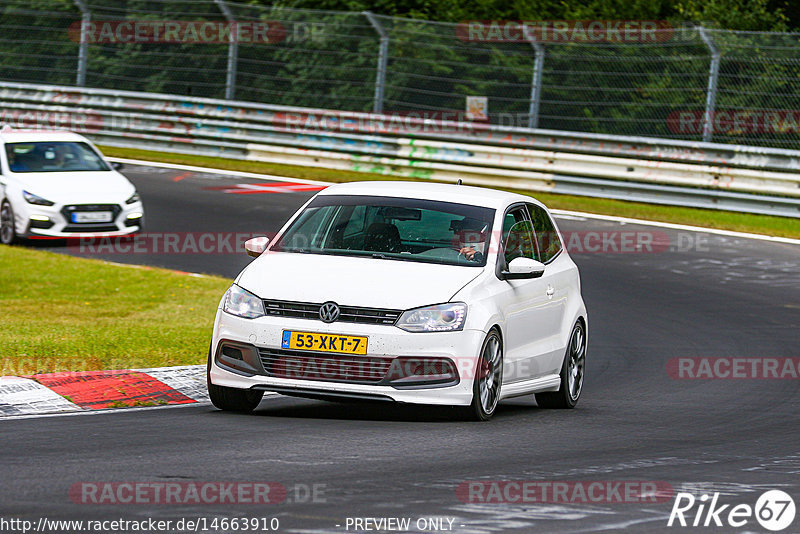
{"points": [[595, 491], [177, 493], [733, 368], [176, 31], [736, 121], [565, 31]]}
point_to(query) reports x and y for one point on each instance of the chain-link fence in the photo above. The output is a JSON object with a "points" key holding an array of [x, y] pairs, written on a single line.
{"points": [[656, 80]]}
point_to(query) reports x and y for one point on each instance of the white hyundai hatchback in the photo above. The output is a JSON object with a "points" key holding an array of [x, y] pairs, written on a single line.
{"points": [[406, 292], [57, 184]]}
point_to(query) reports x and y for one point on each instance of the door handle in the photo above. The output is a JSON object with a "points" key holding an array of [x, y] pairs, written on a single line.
{"points": [[550, 292]]}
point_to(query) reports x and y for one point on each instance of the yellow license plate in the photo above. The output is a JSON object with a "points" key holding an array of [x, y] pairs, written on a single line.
{"points": [[324, 342]]}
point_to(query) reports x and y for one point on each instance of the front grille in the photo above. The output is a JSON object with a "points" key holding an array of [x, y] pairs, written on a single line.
{"points": [[297, 365], [68, 210], [348, 314]]}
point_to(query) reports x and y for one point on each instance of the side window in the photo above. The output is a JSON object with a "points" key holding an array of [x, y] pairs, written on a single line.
{"points": [[546, 235], [512, 217], [518, 236]]}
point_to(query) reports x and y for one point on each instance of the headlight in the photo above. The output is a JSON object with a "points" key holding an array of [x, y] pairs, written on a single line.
{"points": [[439, 318], [134, 198], [242, 303], [30, 198]]}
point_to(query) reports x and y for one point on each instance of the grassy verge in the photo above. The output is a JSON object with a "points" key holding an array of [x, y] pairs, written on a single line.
{"points": [[74, 314], [741, 222]]}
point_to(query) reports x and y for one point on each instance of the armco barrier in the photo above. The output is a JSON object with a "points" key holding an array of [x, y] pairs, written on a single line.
{"points": [[738, 178]]}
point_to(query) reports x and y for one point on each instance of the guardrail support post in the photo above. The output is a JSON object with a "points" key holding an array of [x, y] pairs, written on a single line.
{"points": [[233, 50], [83, 47], [536, 80], [383, 56], [711, 92]]}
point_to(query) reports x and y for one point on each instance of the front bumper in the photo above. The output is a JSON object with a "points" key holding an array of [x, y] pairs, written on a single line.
{"points": [[387, 342], [54, 221]]}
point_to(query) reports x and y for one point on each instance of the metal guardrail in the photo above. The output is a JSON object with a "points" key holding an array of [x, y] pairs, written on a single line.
{"points": [[731, 177]]}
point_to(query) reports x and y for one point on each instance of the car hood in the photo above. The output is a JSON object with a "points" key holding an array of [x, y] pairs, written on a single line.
{"points": [[348, 281], [79, 186]]}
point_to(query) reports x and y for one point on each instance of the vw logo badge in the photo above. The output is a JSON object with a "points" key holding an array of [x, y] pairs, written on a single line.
{"points": [[329, 312]]}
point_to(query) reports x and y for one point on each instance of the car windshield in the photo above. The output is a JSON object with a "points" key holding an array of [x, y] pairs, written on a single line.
{"points": [[53, 156], [391, 228]]}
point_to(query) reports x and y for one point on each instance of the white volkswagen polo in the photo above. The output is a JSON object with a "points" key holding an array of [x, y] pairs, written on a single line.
{"points": [[405, 292], [57, 184]]}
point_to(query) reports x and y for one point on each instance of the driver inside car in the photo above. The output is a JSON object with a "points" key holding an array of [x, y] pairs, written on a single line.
{"points": [[469, 237]]}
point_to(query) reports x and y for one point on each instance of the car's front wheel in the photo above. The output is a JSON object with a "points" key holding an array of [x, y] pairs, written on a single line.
{"points": [[8, 230], [488, 378], [232, 399], [572, 373]]}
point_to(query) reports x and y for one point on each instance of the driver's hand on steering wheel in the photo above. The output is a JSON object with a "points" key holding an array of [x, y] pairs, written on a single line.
{"points": [[471, 254]]}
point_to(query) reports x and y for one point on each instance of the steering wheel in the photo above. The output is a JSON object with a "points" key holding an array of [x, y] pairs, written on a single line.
{"points": [[477, 257]]}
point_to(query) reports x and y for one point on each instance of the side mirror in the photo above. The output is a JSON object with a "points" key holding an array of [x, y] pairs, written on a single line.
{"points": [[523, 268], [117, 166], [256, 246]]}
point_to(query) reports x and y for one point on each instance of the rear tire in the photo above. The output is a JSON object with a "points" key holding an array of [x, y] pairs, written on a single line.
{"points": [[488, 378], [231, 399], [8, 229], [572, 373]]}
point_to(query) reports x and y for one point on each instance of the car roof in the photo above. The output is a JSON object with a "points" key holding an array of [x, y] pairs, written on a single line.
{"points": [[32, 136], [461, 194]]}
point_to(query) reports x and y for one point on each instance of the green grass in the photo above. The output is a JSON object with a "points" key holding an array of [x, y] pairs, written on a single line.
{"points": [[74, 314], [725, 220]]}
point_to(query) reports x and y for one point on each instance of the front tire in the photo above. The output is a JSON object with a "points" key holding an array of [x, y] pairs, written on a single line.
{"points": [[488, 378], [231, 399], [8, 229], [572, 373]]}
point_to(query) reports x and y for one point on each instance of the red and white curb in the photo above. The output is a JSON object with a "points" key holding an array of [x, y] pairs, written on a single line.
{"points": [[86, 391]]}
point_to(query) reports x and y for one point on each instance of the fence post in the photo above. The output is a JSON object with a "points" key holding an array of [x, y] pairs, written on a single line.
{"points": [[83, 47], [711, 92], [233, 50], [383, 52], [536, 79]]}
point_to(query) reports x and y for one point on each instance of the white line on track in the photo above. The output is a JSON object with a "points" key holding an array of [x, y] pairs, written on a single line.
{"points": [[103, 412], [212, 170], [267, 394]]}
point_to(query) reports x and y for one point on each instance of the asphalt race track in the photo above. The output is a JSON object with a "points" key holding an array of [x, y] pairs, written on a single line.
{"points": [[700, 296]]}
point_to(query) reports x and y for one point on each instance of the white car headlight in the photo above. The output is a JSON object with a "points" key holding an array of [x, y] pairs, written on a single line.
{"points": [[242, 303], [134, 198], [440, 318], [30, 198]]}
